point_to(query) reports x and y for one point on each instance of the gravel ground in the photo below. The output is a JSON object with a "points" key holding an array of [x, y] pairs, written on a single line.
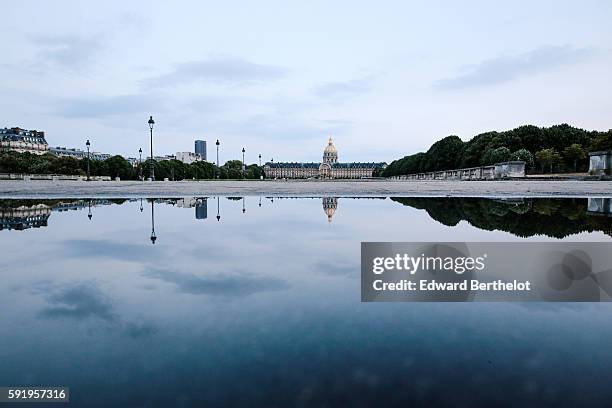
{"points": [[128, 189]]}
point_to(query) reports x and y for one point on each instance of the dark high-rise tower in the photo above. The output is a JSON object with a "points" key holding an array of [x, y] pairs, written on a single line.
{"points": [[200, 148]]}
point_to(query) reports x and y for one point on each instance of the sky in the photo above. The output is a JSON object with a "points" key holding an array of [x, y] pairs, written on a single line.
{"points": [[385, 78]]}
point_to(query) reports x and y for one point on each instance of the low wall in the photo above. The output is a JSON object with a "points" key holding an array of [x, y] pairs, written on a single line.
{"points": [[600, 163], [50, 177], [599, 206], [511, 169]]}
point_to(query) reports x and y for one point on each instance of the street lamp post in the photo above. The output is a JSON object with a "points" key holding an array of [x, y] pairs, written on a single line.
{"points": [[243, 168], [218, 170], [151, 123], [259, 159], [140, 162], [87, 144]]}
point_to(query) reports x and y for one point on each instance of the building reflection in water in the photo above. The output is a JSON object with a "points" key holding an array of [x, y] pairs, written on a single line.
{"points": [[24, 217], [523, 217], [201, 210], [330, 205], [21, 215], [600, 206]]}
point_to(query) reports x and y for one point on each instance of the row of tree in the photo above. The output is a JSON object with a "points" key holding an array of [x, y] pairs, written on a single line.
{"points": [[560, 147], [556, 217], [118, 166]]}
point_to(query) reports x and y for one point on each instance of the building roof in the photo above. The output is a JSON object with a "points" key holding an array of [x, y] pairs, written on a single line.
{"points": [[21, 135]]}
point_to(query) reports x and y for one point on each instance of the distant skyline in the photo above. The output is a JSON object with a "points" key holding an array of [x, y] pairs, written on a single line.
{"points": [[385, 79]]}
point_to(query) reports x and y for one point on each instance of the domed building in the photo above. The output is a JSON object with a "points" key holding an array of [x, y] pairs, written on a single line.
{"points": [[329, 168]]}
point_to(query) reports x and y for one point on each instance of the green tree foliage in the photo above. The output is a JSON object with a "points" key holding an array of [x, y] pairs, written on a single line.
{"points": [[573, 153], [445, 153], [201, 170], [547, 157], [232, 169], [451, 152], [539, 216], [117, 166], [602, 141], [523, 155], [497, 155]]}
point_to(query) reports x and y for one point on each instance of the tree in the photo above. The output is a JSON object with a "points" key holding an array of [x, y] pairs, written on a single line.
{"points": [[119, 167], [66, 165], [444, 154], [232, 169], [573, 153], [523, 155], [602, 141], [497, 155], [547, 157], [201, 170]]}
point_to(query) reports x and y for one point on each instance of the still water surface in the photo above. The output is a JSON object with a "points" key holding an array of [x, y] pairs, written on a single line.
{"points": [[256, 302]]}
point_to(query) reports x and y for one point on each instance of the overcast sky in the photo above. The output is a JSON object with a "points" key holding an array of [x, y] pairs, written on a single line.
{"points": [[386, 78]]}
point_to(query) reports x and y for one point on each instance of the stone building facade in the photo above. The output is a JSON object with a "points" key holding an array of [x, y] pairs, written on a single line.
{"points": [[328, 168], [21, 140], [600, 163]]}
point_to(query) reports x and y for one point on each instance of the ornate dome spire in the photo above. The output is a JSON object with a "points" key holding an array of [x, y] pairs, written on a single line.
{"points": [[330, 154]]}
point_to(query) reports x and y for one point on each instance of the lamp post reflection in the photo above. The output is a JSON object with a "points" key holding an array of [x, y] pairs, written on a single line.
{"points": [[243, 207], [218, 216], [153, 236], [260, 201], [89, 215], [141, 205]]}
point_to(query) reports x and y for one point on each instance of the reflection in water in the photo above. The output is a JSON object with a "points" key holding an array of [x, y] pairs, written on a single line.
{"points": [[264, 309], [522, 217], [600, 206], [330, 204], [24, 214], [153, 236]]}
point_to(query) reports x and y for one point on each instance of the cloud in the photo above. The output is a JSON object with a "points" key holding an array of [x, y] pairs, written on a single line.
{"points": [[333, 90], [69, 51], [220, 285], [508, 68], [139, 330], [109, 249], [337, 269], [225, 70], [83, 301], [79, 302], [99, 107]]}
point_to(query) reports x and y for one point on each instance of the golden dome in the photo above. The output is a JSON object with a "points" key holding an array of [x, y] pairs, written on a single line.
{"points": [[330, 148]]}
